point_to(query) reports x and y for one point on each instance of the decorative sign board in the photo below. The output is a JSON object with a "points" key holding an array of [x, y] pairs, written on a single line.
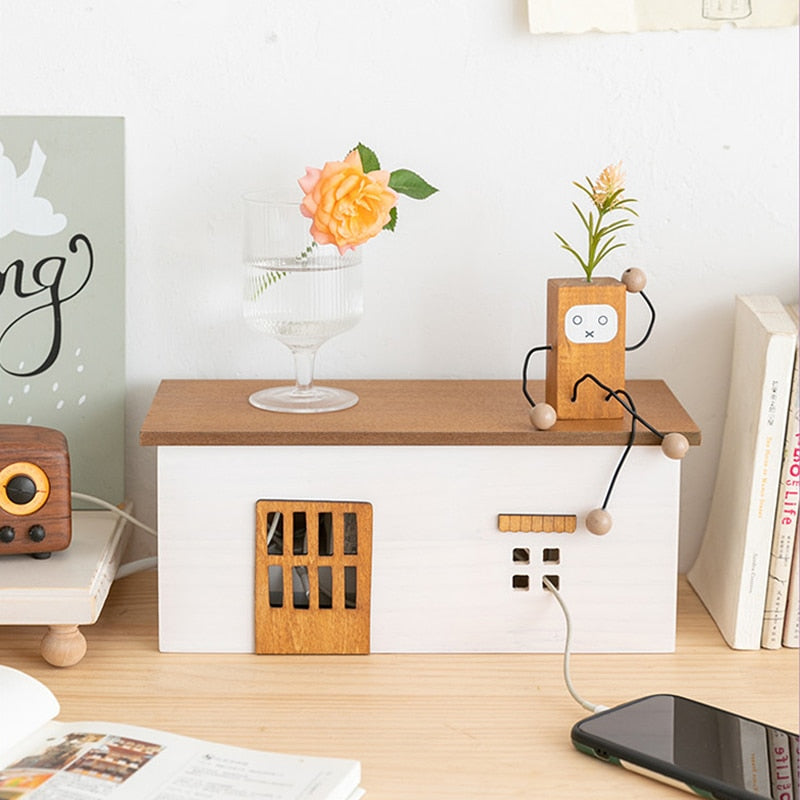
{"points": [[62, 257]]}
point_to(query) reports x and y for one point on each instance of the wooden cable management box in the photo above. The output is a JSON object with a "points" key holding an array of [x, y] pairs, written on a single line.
{"points": [[462, 509]]}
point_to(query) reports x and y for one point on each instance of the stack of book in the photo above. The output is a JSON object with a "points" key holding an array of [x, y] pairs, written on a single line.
{"points": [[746, 572]]}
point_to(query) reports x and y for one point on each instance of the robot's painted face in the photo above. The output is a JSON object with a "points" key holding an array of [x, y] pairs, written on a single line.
{"points": [[591, 324]]}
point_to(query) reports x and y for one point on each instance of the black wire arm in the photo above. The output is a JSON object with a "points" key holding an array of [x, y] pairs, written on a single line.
{"points": [[649, 327], [625, 452], [525, 371]]}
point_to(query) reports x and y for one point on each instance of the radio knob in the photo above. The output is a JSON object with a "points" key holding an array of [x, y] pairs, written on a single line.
{"points": [[21, 489], [36, 533], [6, 534]]}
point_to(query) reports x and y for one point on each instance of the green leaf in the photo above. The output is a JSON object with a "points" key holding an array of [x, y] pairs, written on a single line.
{"points": [[390, 225], [583, 218], [607, 249], [589, 191], [614, 226], [623, 206], [409, 183], [265, 280], [369, 161], [567, 247]]}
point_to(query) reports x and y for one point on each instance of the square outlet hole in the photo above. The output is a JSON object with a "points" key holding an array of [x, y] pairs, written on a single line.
{"points": [[554, 579], [520, 583], [551, 555], [521, 555]]}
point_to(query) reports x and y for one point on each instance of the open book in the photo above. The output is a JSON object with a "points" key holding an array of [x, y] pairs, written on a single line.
{"points": [[41, 759]]}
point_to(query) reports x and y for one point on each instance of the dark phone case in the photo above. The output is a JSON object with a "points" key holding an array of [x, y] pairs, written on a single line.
{"points": [[628, 758]]}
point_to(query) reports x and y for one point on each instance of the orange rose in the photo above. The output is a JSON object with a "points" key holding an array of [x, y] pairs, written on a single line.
{"points": [[346, 205]]}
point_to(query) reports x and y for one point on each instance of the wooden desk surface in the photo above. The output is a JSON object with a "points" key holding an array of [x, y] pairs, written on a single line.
{"points": [[427, 726]]}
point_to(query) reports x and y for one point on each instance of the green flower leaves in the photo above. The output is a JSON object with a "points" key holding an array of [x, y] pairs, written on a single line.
{"points": [[409, 183], [403, 181], [369, 161], [606, 196]]}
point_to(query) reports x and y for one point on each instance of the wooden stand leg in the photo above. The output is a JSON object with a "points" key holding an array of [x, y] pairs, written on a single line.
{"points": [[63, 645]]}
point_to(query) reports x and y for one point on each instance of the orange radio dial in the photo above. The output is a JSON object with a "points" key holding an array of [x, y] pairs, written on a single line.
{"points": [[24, 488]]}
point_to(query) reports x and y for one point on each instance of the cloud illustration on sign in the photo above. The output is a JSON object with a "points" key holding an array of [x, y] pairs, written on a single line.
{"points": [[20, 209]]}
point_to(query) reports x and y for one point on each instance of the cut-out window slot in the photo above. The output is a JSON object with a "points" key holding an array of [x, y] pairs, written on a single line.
{"points": [[300, 533], [554, 579], [275, 585], [275, 533], [521, 555], [325, 541], [551, 555], [300, 587], [350, 534], [350, 596], [325, 580], [520, 583]]}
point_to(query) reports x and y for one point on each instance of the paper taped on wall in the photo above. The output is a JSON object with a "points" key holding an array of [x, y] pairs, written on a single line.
{"points": [[628, 16]]}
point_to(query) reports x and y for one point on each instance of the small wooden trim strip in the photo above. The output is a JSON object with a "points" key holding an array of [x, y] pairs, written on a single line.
{"points": [[537, 523]]}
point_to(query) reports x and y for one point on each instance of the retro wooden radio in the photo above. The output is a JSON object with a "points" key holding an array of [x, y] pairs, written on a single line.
{"points": [[35, 500]]}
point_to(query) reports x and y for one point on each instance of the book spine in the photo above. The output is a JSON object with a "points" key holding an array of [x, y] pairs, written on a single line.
{"points": [[791, 625], [758, 527], [784, 533], [780, 765], [755, 758]]}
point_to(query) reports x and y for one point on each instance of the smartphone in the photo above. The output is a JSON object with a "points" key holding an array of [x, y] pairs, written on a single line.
{"points": [[704, 750]]}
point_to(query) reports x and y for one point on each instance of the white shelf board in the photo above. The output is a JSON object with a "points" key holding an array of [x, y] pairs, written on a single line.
{"points": [[70, 587]]}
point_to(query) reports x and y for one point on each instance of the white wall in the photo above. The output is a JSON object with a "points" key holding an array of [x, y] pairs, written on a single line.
{"points": [[224, 97]]}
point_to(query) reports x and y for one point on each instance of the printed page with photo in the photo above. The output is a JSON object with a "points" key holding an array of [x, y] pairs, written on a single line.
{"points": [[89, 760]]}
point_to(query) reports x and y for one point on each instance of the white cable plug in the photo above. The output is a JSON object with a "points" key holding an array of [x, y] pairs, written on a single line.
{"points": [[567, 645]]}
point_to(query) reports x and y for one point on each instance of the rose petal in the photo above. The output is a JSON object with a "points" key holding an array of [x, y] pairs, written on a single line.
{"points": [[309, 180], [380, 176], [353, 159]]}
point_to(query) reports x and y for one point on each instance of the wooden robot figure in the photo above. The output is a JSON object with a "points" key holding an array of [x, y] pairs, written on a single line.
{"points": [[586, 364]]}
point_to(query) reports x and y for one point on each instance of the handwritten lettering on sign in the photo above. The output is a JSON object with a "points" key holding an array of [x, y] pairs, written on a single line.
{"points": [[45, 282], [32, 296]]}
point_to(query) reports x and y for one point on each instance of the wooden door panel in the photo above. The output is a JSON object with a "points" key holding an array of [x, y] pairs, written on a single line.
{"points": [[313, 576]]}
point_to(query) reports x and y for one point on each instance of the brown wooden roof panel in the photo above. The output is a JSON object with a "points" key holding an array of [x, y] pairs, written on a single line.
{"points": [[396, 412]]}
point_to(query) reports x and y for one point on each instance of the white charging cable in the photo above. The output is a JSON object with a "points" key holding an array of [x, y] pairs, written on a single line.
{"points": [[567, 648], [133, 566], [111, 507]]}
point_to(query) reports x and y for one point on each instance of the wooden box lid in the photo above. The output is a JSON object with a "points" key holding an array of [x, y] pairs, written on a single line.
{"points": [[396, 412]]}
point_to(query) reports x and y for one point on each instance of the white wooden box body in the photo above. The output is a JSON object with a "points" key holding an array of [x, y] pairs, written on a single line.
{"points": [[441, 570]]}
